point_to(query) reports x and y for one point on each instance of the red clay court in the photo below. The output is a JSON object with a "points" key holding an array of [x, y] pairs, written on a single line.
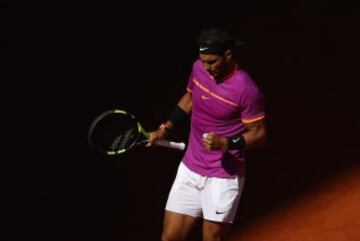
{"points": [[328, 211]]}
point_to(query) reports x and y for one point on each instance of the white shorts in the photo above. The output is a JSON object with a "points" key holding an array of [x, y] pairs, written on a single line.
{"points": [[212, 198]]}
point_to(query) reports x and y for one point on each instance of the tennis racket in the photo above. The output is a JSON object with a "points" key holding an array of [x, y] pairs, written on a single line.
{"points": [[116, 131]]}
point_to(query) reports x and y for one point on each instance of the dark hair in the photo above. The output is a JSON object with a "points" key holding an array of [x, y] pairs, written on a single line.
{"points": [[216, 36], [217, 41]]}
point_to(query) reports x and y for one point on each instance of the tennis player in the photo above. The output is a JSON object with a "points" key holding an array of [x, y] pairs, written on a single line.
{"points": [[227, 118]]}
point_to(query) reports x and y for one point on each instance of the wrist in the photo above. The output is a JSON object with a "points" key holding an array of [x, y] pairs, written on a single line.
{"points": [[224, 143], [177, 115], [235, 143], [163, 127]]}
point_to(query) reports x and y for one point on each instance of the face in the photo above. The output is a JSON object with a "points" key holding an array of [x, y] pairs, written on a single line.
{"points": [[216, 65]]}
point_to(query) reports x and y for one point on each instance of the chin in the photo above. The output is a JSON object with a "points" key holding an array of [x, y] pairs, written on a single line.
{"points": [[214, 75]]}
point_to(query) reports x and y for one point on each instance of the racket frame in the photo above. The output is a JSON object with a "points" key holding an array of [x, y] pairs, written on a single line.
{"points": [[140, 133]]}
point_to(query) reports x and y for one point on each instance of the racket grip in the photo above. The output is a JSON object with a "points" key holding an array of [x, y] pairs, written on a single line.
{"points": [[170, 144]]}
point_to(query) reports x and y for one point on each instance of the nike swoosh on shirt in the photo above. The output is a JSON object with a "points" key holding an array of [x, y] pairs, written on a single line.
{"points": [[202, 49]]}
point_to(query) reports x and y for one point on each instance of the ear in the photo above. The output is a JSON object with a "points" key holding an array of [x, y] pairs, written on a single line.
{"points": [[228, 54]]}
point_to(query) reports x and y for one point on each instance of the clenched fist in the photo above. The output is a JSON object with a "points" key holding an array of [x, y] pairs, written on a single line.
{"points": [[213, 142]]}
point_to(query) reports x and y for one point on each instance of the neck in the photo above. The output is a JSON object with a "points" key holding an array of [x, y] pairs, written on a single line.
{"points": [[228, 72]]}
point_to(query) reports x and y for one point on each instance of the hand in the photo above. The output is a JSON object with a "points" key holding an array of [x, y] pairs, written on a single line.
{"points": [[161, 133], [213, 142]]}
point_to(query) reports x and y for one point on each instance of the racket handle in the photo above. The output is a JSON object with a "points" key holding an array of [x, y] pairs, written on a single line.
{"points": [[170, 144]]}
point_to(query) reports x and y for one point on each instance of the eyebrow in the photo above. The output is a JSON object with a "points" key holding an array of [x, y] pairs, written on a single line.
{"points": [[207, 60], [210, 61]]}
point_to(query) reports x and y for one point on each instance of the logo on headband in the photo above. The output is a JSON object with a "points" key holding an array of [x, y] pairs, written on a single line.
{"points": [[214, 48], [203, 49]]}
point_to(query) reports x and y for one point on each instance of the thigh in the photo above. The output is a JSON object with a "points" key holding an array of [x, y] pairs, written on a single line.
{"points": [[215, 231], [177, 226]]}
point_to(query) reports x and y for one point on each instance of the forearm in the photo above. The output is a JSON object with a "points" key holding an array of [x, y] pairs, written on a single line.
{"points": [[248, 140], [182, 110], [254, 139], [185, 102]]}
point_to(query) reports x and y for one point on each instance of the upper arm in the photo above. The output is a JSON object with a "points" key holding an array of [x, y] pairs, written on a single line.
{"points": [[255, 134], [256, 126], [185, 102], [252, 106]]}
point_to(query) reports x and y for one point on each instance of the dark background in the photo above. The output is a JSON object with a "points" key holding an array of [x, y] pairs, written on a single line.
{"points": [[76, 59]]}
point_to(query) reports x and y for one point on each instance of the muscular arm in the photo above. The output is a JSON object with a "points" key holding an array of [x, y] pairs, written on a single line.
{"points": [[185, 103], [256, 135]]}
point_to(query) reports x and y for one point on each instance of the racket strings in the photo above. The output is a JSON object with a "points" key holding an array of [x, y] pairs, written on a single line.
{"points": [[114, 132], [124, 141], [115, 144]]}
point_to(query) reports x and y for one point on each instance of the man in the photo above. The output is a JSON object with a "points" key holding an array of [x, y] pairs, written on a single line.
{"points": [[227, 117]]}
